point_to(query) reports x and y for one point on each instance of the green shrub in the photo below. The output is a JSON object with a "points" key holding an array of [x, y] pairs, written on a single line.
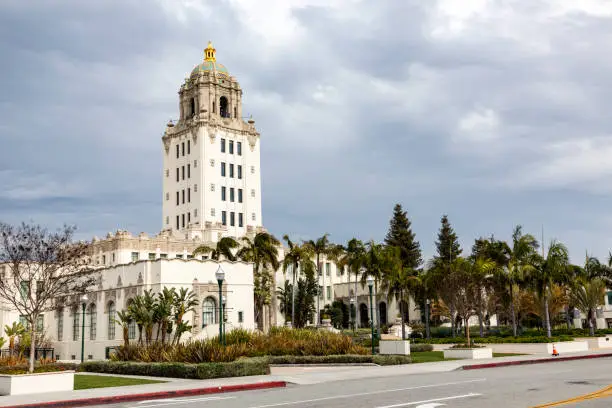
{"points": [[38, 368], [391, 360], [242, 367], [419, 348], [341, 359], [242, 343], [496, 340]]}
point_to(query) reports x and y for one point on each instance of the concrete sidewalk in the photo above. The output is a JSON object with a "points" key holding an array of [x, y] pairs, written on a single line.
{"points": [[279, 377]]}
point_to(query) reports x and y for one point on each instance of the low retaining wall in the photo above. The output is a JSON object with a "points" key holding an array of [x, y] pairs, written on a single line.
{"points": [[472, 354], [595, 343], [397, 347], [531, 348], [36, 383]]}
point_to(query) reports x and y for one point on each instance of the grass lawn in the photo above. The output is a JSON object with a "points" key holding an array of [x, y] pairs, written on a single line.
{"points": [[427, 356], [83, 381], [507, 354]]}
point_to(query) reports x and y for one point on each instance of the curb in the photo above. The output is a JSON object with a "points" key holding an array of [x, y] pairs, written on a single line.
{"points": [[539, 361], [153, 395]]}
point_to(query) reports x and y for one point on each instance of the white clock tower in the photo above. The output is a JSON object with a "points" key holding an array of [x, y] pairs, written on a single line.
{"points": [[211, 176]]}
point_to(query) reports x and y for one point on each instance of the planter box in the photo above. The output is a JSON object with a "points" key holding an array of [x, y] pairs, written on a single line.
{"points": [[604, 342], [396, 347], [471, 354], [36, 383], [568, 347]]}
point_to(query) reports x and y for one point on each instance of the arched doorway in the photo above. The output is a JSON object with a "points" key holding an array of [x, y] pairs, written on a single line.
{"points": [[363, 315], [223, 107], [382, 309], [208, 312]]}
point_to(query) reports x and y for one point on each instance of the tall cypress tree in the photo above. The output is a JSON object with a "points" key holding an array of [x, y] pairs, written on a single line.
{"points": [[447, 244], [401, 236]]}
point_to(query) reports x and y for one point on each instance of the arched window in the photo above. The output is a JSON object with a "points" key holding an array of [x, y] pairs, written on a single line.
{"points": [[235, 112], [75, 324], [382, 309], [208, 311], [364, 316], [132, 323], [60, 324], [214, 107], [223, 107], [192, 107], [93, 317], [111, 320]]}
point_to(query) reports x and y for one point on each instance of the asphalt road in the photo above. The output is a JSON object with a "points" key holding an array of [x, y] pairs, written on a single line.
{"points": [[519, 386]]}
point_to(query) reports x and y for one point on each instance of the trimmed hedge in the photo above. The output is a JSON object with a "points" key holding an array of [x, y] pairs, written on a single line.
{"points": [[239, 368], [45, 368], [496, 340], [419, 348], [202, 371], [341, 359]]}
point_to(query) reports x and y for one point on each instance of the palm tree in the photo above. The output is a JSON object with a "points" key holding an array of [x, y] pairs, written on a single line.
{"points": [[373, 264], [295, 256], [320, 246], [124, 319], [284, 297], [224, 248], [262, 251], [185, 301], [549, 269], [519, 265], [352, 257], [163, 312], [398, 281], [588, 295], [15, 330]]}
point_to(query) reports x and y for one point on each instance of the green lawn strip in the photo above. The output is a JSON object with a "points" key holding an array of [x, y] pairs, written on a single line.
{"points": [[427, 356], [83, 381], [507, 354]]}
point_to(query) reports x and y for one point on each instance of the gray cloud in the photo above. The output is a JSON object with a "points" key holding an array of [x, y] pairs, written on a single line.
{"points": [[493, 112]]}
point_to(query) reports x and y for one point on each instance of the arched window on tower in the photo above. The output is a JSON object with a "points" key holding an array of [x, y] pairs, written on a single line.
{"points": [[223, 108], [214, 107], [192, 109], [235, 112]]}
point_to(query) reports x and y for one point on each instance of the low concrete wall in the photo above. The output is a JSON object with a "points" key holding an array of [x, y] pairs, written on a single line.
{"points": [[530, 348], [472, 354], [36, 383], [595, 343], [396, 347]]}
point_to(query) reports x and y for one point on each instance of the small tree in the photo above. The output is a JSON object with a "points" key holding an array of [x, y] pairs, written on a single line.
{"points": [[41, 269]]}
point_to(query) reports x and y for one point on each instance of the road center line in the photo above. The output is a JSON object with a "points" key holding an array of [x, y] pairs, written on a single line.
{"points": [[405, 404], [175, 401], [344, 396]]}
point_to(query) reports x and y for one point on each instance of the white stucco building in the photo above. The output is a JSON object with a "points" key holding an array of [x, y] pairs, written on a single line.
{"points": [[211, 158]]}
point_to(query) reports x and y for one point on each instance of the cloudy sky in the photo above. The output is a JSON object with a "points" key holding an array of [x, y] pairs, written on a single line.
{"points": [[492, 111]]}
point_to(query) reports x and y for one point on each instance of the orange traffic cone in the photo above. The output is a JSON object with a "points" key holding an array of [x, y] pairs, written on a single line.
{"points": [[555, 353]]}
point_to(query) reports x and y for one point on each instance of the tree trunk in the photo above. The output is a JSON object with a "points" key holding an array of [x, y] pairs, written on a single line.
{"points": [[377, 308], [427, 330], [547, 316], [512, 310], [452, 319], [356, 279], [272, 308], [402, 314], [568, 318], [593, 322], [32, 345], [467, 331], [319, 274], [480, 323], [293, 296]]}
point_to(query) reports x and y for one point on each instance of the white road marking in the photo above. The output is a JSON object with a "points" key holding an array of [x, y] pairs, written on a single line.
{"points": [[175, 401], [431, 405], [280, 404], [430, 400]]}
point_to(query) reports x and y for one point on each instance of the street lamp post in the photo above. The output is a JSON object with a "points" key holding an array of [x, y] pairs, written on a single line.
{"points": [[371, 285], [220, 275], [84, 300], [223, 302]]}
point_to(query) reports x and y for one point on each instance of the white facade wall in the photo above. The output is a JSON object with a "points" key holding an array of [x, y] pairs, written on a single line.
{"points": [[123, 282]]}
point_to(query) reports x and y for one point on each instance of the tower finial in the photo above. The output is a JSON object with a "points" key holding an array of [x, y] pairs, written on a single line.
{"points": [[209, 52]]}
